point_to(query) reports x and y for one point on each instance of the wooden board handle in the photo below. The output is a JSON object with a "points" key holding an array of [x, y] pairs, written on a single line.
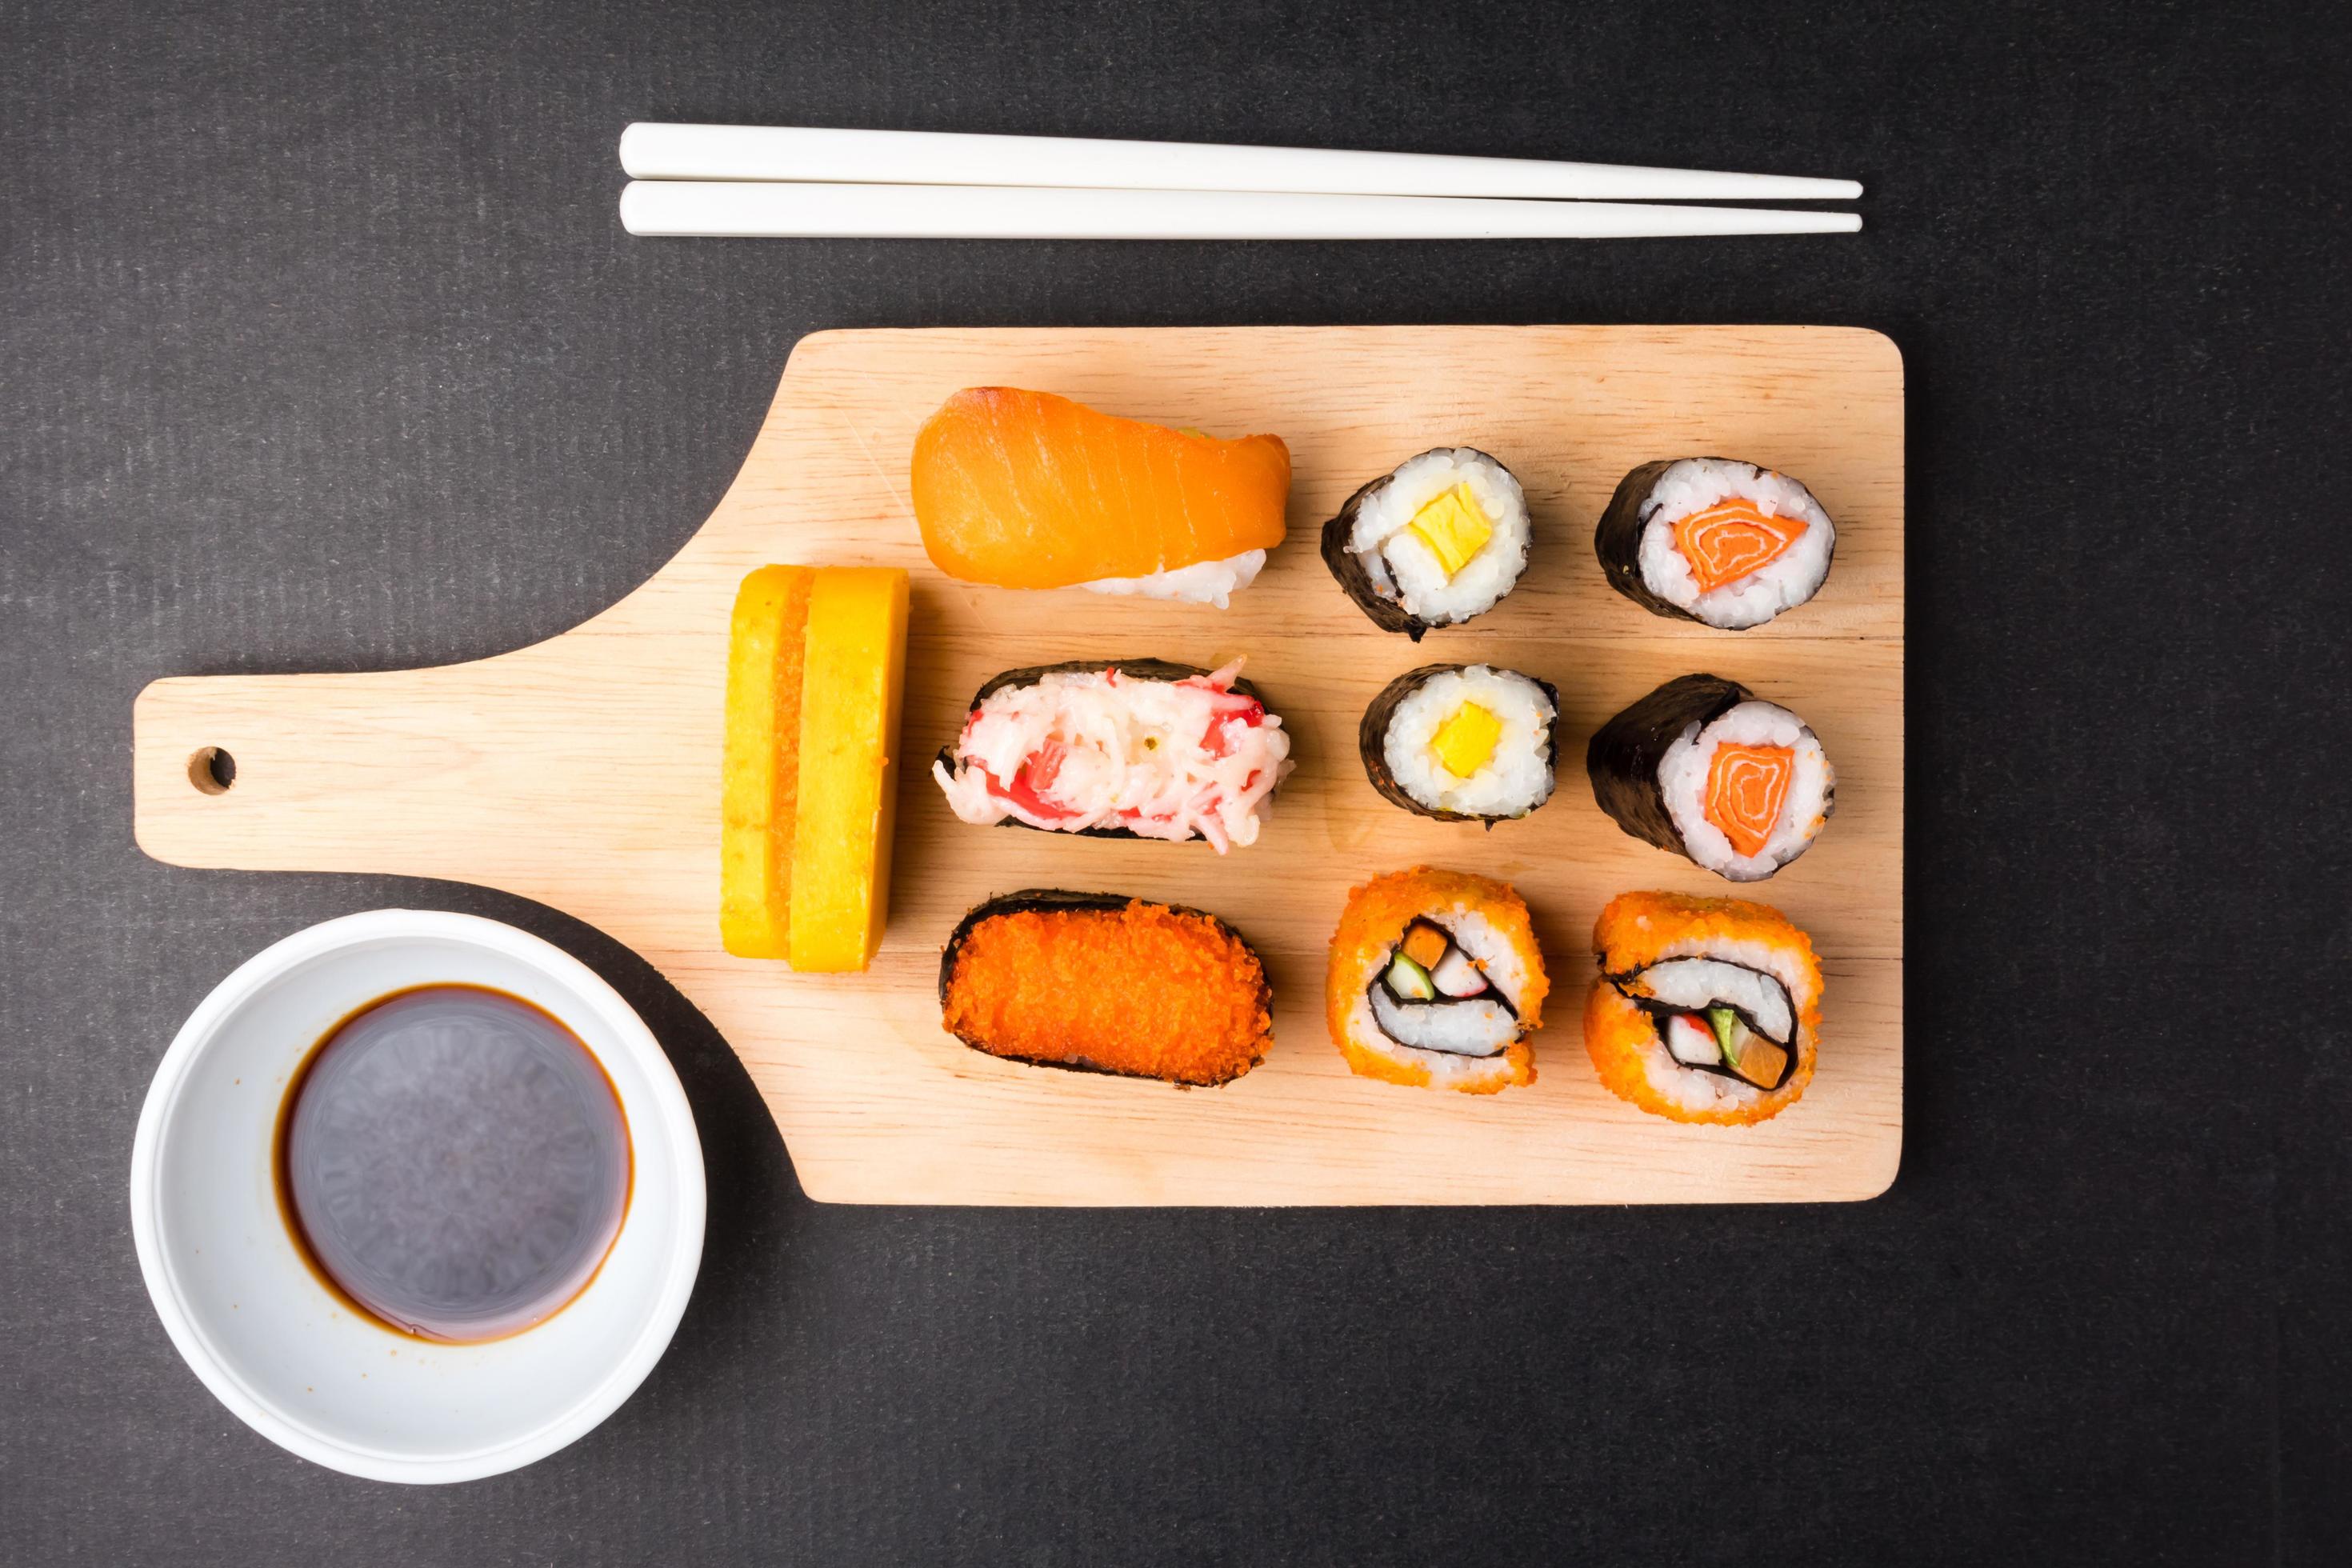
{"points": [[325, 769], [429, 773]]}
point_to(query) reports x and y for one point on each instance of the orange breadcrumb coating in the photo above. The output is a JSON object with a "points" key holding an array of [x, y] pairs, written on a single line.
{"points": [[1146, 991], [1368, 931], [1634, 931]]}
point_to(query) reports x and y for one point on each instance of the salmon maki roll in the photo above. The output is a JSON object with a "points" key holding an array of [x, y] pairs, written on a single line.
{"points": [[1704, 768], [1025, 490], [1714, 540], [1435, 981], [1101, 983], [1706, 1010]]}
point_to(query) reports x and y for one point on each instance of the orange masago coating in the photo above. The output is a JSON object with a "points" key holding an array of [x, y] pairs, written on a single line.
{"points": [[1376, 919], [1141, 990], [1637, 930], [1025, 490]]}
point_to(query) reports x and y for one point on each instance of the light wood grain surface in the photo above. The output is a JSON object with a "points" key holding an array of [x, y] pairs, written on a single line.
{"points": [[584, 771]]}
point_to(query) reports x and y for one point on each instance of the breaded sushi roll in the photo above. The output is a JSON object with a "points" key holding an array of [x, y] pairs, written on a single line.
{"points": [[1102, 983], [1461, 743], [1435, 981], [1704, 1010], [1702, 767], [1432, 543], [1129, 749], [1715, 540]]}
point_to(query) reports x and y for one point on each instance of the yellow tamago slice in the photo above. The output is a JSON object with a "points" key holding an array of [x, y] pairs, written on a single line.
{"points": [[1454, 527], [767, 638], [1465, 741], [854, 669]]}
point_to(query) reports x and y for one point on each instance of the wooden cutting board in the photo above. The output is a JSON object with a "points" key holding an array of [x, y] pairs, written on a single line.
{"points": [[584, 771]]}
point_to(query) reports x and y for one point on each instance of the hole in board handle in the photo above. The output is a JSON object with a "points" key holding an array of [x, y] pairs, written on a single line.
{"points": [[212, 771]]}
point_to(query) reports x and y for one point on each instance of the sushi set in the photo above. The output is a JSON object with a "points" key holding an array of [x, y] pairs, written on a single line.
{"points": [[1465, 763]]}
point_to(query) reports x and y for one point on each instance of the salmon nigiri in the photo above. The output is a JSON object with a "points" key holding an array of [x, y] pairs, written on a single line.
{"points": [[1025, 490]]}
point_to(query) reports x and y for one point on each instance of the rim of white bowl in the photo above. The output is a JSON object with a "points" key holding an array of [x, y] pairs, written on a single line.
{"points": [[273, 1422]]}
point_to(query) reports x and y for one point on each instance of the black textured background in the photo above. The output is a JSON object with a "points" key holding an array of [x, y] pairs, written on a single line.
{"points": [[321, 349]]}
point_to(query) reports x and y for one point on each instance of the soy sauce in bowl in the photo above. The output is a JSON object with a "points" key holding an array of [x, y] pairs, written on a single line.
{"points": [[453, 1162]]}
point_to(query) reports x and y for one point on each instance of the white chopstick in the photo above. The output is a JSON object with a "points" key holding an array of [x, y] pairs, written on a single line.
{"points": [[1032, 212], [657, 152]]}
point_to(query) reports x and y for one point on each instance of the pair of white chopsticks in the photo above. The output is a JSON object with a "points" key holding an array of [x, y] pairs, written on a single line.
{"points": [[807, 182]]}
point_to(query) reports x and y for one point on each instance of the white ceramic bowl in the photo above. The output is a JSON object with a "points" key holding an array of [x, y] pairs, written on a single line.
{"points": [[288, 1357]]}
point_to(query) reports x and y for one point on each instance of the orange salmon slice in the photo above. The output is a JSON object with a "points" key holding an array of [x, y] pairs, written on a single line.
{"points": [[1745, 787], [1728, 540], [1026, 490]]}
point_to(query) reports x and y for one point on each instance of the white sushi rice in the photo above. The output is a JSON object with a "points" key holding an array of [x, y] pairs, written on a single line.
{"points": [[1784, 965], [1203, 582], [1458, 1028], [1516, 781], [1683, 777], [1695, 484], [1695, 983], [1447, 1053], [1405, 569]]}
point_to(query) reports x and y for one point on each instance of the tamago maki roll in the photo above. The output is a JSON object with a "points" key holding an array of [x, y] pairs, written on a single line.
{"points": [[1701, 767], [1435, 981], [1714, 540], [1706, 1010], [1433, 542], [1461, 743]]}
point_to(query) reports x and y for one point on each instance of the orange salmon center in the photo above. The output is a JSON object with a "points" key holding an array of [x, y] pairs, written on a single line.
{"points": [[1745, 786], [1731, 539]]}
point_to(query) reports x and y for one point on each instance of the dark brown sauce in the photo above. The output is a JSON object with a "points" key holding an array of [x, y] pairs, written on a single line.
{"points": [[453, 1162]]}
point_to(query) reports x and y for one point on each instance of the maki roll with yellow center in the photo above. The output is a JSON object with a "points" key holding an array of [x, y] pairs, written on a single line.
{"points": [[1433, 542], [1706, 1010], [1435, 981], [1461, 743]]}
